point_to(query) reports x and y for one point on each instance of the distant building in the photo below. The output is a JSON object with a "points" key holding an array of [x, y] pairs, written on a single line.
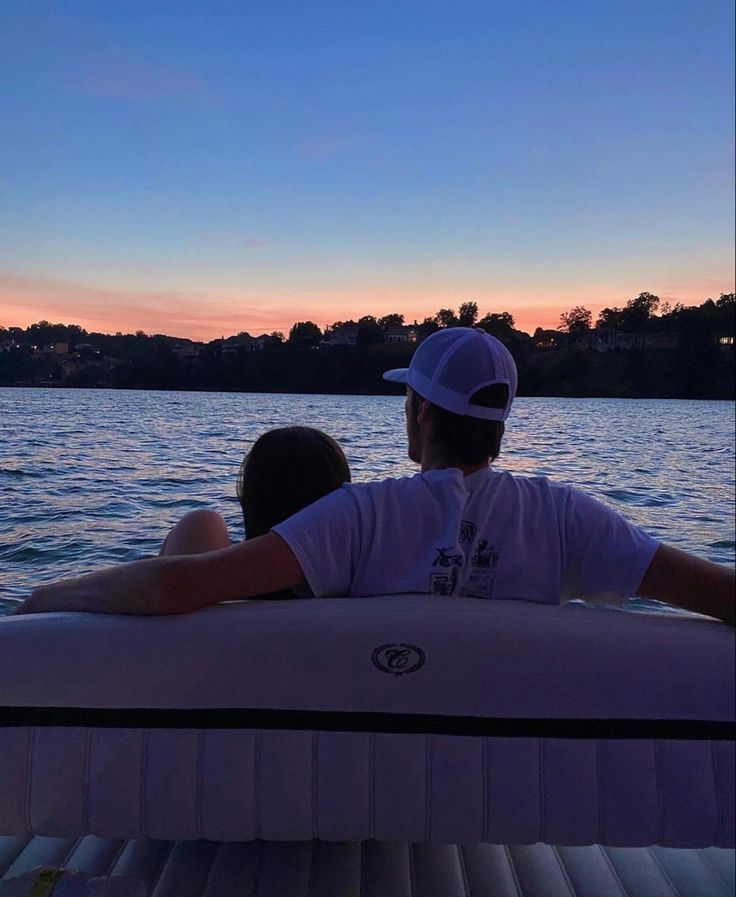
{"points": [[604, 339], [71, 365], [187, 350], [344, 335], [549, 339], [234, 344], [49, 349], [662, 340], [264, 341], [401, 333]]}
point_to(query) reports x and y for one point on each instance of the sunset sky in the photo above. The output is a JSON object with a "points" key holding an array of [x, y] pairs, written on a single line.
{"points": [[203, 168]]}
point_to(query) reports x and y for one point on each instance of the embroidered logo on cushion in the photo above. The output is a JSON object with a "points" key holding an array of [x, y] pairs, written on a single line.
{"points": [[398, 658]]}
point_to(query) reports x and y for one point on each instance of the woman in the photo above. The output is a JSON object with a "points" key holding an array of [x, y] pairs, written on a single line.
{"points": [[285, 470]]}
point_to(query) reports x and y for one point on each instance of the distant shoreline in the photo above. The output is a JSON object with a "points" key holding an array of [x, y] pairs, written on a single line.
{"points": [[689, 353], [215, 390]]}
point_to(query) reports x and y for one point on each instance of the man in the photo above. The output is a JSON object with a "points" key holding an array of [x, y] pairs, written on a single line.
{"points": [[456, 528]]}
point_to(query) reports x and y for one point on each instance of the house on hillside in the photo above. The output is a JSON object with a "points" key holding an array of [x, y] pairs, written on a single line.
{"points": [[549, 339], [401, 333], [604, 339], [267, 341], [261, 342], [243, 342], [49, 349], [662, 340], [187, 350], [344, 335], [71, 365]]}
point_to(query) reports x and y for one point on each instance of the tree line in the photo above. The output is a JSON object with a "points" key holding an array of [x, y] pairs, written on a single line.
{"points": [[648, 312], [372, 330], [645, 311], [701, 365]]}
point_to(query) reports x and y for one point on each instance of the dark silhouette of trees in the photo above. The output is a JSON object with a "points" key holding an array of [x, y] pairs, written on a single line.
{"points": [[305, 334], [392, 320], [578, 320], [610, 317], [43, 333], [497, 324], [427, 328], [695, 360], [635, 316], [331, 328], [640, 311], [446, 317], [369, 331], [467, 314]]}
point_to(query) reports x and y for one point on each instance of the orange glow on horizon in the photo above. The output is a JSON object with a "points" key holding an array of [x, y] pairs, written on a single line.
{"points": [[116, 320], [202, 317]]}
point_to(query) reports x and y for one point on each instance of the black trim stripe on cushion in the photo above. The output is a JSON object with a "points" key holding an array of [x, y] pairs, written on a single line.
{"points": [[364, 721]]}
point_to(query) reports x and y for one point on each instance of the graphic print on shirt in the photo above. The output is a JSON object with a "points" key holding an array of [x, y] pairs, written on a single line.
{"points": [[467, 531], [446, 557], [482, 571], [443, 583]]}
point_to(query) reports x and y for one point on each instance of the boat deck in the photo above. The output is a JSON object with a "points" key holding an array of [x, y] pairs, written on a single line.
{"points": [[377, 869]]}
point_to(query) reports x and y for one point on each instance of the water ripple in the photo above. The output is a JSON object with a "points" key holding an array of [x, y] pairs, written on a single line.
{"points": [[94, 477], [19, 472]]}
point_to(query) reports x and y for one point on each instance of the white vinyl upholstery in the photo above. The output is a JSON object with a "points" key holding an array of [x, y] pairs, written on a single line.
{"points": [[350, 767], [375, 869], [231, 785]]}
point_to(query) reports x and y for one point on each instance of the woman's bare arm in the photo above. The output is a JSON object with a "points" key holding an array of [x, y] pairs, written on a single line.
{"points": [[175, 585], [692, 583]]}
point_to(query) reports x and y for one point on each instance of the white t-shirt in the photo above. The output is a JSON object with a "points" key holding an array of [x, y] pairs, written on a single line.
{"points": [[487, 535]]}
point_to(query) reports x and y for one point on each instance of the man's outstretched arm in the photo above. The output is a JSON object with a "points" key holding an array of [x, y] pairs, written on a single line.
{"points": [[690, 582], [175, 585]]}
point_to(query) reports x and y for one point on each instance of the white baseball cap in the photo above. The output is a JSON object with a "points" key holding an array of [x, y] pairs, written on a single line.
{"points": [[451, 365]]}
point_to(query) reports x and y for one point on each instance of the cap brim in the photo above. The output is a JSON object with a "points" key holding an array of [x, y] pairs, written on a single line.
{"points": [[397, 375]]}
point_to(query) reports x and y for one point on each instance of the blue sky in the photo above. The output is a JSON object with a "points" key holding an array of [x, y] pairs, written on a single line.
{"points": [[193, 168]]}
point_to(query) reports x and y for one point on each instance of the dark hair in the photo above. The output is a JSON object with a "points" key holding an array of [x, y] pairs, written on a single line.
{"points": [[286, 470], [468, 440]]}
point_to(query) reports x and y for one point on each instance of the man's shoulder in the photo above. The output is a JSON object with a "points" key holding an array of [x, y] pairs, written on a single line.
{"points": [[418, 484], [390, 484], [525, 487]]}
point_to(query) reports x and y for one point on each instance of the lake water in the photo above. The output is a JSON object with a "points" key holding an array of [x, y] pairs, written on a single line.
{"points": [[93, 477]]}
